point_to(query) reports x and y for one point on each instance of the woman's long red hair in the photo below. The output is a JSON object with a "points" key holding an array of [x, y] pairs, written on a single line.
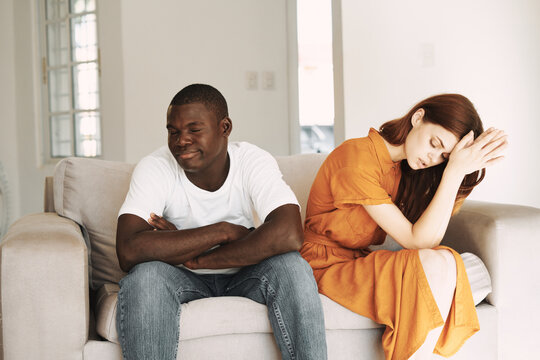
{"points": [[416, 189]]}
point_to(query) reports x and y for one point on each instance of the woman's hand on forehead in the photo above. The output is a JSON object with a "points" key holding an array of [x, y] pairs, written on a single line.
{"points": [[470, 155]]}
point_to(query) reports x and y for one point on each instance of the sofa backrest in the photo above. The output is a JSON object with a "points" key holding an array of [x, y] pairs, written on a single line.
{"points": [[91, 192], [299, 172]]}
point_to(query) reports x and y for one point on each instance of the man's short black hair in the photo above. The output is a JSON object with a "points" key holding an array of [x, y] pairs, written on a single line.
{"points": [[205, 94]]}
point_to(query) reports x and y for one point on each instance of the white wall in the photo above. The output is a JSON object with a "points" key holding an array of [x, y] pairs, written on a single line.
{"points": [[149, 51], [112, 80], [27, 103], [169, 44], [8, 130], [487, 50]]}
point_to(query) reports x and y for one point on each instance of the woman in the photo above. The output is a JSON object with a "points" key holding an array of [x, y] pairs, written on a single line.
{"points": [[405, 181]]}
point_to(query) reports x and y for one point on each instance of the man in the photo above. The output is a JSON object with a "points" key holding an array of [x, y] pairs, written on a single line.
{"points": [[198, 197]]}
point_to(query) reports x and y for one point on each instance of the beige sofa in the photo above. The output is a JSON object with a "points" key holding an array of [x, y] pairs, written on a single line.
{"points": [[59, 273]]}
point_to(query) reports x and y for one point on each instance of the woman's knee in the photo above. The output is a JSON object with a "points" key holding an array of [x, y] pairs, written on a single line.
{"points": [[439, 266]]}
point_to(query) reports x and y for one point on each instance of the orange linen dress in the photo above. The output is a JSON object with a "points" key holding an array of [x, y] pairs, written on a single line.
{"points": [[388, 287]]}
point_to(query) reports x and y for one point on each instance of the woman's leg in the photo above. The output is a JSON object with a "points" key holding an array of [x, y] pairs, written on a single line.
{"points": [[440, 269]]}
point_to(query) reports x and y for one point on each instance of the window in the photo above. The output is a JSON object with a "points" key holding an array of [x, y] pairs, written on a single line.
{"points": [[70, 77], [315, 76]]}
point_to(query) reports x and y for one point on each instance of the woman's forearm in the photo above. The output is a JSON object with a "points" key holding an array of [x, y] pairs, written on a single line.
{"points": [[429, 229]]}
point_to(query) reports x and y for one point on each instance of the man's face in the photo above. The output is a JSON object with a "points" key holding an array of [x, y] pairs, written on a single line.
{"points": [[197, 140]]}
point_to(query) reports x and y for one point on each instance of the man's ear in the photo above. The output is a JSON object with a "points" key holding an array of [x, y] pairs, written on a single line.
{"points": [[417, 117], [226, 126]]}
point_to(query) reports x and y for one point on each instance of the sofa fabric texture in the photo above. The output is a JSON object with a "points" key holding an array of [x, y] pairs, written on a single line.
{"points": [[75, 183]]}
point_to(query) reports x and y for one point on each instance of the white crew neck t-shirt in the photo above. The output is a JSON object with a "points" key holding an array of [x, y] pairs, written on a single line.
{"points": [[254, 183]]}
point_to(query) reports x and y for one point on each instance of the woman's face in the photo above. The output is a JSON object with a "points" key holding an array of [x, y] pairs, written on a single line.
{"points": [[428, 144]]}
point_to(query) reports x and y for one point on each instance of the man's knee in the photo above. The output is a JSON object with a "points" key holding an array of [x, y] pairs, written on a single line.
{"points": [[290, 270], [146, 270], [148, 281], [291, 263]]}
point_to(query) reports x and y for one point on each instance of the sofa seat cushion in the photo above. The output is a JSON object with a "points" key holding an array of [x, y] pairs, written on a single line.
{"points": [[206, 317]]}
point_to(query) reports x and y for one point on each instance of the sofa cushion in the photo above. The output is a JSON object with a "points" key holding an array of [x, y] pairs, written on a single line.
{"points": [[206, 317], [299, 172], [90, 192], [478, 276]]}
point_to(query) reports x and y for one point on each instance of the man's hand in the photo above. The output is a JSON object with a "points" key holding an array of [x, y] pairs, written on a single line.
{"points": [[193, 264], [159, 223], [281, 232], [137, 242], [234, 232]]}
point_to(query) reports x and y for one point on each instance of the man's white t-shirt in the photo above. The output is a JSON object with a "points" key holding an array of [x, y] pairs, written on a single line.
{"points": [[254, 182]]}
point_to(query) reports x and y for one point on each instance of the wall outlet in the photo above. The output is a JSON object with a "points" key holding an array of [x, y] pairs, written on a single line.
{"points": [[268, 80], [252, 81]]}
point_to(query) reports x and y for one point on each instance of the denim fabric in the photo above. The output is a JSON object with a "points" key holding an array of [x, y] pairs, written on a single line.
{"points": [[148, 310]]}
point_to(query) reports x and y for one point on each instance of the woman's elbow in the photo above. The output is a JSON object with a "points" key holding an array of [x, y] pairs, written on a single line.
{"points": [[429, 243], [419, 240]]}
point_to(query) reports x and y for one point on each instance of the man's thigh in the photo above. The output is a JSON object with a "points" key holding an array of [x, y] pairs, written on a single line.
{"points": [[160, 279], [283, 273]]}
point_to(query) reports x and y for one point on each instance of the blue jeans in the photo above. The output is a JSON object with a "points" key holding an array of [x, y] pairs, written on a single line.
{"points": [[148, 310]]}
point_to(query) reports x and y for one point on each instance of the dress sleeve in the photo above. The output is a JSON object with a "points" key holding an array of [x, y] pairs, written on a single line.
{"points": [[148, 189], [357, 186]]}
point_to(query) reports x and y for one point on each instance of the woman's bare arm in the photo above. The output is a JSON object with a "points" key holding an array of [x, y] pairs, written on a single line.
{"points": [[468, 156]]}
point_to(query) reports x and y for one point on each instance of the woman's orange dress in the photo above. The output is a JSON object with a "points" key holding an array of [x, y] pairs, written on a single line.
{"points": [[388, 287]]}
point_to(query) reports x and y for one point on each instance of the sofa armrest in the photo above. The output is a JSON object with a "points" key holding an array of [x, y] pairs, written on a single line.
{"points": [[507, 239], [44, 289]]}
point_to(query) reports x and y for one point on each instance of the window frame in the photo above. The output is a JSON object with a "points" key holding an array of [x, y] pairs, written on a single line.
{"points": [[293, 85], [43, 56]]}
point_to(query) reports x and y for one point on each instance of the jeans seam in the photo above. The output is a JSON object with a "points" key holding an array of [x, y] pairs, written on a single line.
{"points": [[281, 324], [180, 290], [176, 294], [178, 327], [122, 333]]}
